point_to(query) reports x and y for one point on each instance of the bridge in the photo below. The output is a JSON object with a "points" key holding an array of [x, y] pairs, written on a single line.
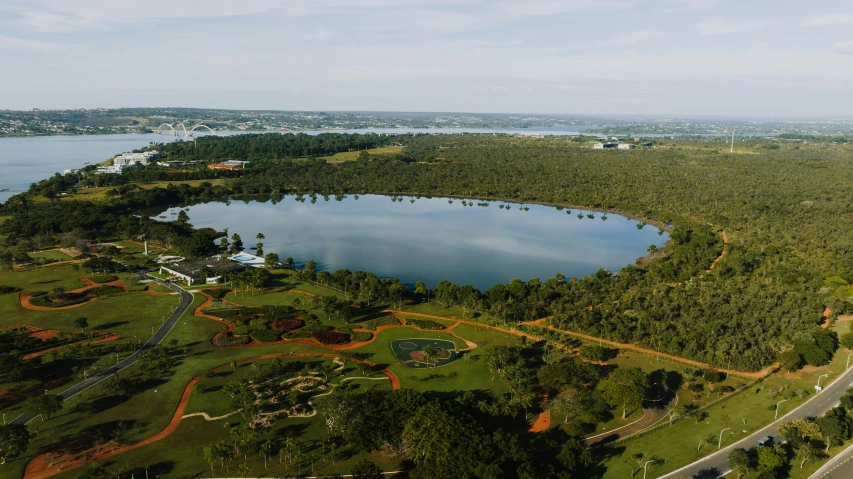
{"points": [[187, 134]]}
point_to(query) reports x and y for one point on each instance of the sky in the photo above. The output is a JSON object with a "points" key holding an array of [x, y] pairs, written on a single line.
{"points": [[756, 58]]}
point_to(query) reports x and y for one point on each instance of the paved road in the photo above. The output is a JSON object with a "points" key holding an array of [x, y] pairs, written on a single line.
{"points": [[837, 467], [816, 406], [157, 338]]}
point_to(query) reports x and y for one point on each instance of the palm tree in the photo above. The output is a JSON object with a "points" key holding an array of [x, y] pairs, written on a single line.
{"points": [[211, 454], [429, 353]]}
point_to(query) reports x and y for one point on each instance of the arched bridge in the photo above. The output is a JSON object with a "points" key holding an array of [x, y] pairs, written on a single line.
{"points": [[183, 127]]}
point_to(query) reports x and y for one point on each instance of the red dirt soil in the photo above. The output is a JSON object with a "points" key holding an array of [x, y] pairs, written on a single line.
{"points": [[542, 423], [38, 467], [25, 296]]}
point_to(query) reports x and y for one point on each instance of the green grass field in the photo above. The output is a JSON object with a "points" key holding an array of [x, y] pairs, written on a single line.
{"points": [[51, 254], [352, 155]]}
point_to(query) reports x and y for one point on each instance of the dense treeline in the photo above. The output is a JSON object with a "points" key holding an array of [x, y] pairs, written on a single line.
{"points": [[269, 146], [786, 213]]}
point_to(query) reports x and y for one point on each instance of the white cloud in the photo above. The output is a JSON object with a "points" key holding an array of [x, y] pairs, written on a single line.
{"points": [[12, 43], [727, 27], [844, 48], [841, 18], [637, 37], [693, 5]]}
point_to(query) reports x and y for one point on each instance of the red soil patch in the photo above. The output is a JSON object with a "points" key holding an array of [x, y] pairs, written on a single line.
{"points": [[105, 338], [543, 422], [25, 296], [722, 253], [824, 319], [44, 334], [38, 468]]}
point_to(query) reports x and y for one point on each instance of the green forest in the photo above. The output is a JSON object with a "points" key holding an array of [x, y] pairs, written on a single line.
{"points": [[785, 212]]}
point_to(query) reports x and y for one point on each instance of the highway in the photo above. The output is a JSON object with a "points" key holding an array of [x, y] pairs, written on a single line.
{"points": [[816, 406], [157, 338]]}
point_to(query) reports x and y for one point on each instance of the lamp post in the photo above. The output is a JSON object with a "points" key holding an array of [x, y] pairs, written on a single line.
{"points": [[848, 361], [720, 443], [821, 377], [777, 408], [644, 467]]}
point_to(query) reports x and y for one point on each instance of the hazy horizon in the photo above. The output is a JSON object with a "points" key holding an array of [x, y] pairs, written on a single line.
{"points": [[684, 58]]}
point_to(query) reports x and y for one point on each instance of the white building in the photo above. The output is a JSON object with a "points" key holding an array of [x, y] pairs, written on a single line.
{"points": [[626, 146], [112, 169], [127, 159]]}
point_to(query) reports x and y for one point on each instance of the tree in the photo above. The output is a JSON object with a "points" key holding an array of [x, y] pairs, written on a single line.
{"points": [[771, 458], [81, 323], [835, 427], [791, 360], [236, 243], [740, 462], [14, 439], [846, 340], [271, 260], [288, 262], [365, 469], [259, 248], [95, 471], [43, 405], [429, 353], [626, 389], [807, 451], [211, 454]]}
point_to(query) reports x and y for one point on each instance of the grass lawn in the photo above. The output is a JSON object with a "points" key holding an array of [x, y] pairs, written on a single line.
{"points": [[434, 309], [99, 193], [51, 254], [353, 155], [745, 414]]}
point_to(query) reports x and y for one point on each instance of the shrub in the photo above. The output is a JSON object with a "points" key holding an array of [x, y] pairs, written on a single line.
{"points": [[103, 278], [812, 353], [217, 293], [287, 324], [258, 324], [425, 324], [105, 290], [278, 312], [383, 321], [221, 313], [61, 300], [362, 336], [713, 376], [595, 352], [243, 330], [330, 337], [226, 339], [7, 289], [846, 339], [266, 336], [297, 335]]}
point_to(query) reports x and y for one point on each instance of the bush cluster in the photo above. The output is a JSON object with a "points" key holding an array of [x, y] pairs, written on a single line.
{"points": [[383, 321], [287, 324], [266, 336], [425, 324], [330, 337], [103, 278]]}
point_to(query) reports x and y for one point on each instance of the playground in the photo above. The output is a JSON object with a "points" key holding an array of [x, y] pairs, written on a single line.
{"points": [[424, 352]]}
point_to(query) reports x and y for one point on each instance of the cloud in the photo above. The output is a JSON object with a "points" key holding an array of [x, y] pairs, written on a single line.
{"points": [[692, 5], [841, 18], [12, 43], [637, 37], [728, 27], [844, 48]]}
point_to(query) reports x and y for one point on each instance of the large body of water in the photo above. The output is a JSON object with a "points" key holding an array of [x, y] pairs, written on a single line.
{"points": [[433, 239]]}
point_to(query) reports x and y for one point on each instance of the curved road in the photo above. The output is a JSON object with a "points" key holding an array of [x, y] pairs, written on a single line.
{"points": [[816, 406], [157, 338], [837, 467]]}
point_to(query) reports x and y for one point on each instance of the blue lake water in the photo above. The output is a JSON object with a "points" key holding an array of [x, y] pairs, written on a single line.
{"points": [[433, 239]]}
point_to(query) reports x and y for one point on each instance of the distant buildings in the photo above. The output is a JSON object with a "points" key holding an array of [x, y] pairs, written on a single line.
{"points": [[626, 146], [206, 271], [604, 146], [228, 165], [128, 159]]}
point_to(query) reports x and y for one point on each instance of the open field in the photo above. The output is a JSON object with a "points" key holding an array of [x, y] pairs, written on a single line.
{"points": [[99, 193], [352, 155]]}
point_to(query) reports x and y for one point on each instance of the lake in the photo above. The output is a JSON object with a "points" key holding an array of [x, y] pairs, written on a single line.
{"points": [[432, 239]]}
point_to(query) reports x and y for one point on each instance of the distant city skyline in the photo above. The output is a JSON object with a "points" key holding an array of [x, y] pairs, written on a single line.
{"points": [[688, 58]]}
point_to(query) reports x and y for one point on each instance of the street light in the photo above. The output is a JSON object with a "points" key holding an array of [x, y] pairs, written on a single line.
{"points": [[720, 443], [777, 408], [644, 467], [848, 361], [821, 377]]}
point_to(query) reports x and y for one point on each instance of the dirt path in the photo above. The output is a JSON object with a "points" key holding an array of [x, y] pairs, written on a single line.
{"points": [[755, 375], [25, 296], [105, 338], [38, 467], [722, 253]]}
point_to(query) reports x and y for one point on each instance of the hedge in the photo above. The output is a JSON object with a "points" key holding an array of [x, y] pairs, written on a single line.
{"points": [[425, 324], [45, 301], [362, 336], [215, 293], [383, 321], [297, 335], [266, 336], [103, 278], [7, 289], [221, 313], [105, 290], [226, 339], [287, 324], [330, 337]]}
